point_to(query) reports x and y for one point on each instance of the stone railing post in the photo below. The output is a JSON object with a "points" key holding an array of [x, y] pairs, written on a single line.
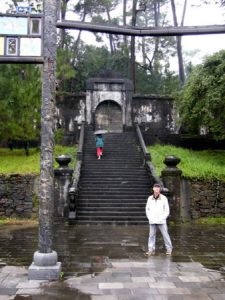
{"points": [[171, 177], [63, 178]]}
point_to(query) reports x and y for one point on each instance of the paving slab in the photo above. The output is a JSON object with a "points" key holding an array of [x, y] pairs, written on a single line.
{"points": [[7, 297], [109, 263]]}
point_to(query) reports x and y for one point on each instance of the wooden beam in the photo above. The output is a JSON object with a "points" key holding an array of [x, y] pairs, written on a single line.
{"points": [[21, 60], [140, 31]]}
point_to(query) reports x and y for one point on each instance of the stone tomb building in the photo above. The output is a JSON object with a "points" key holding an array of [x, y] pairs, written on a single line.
{"points": [[110, 104]]}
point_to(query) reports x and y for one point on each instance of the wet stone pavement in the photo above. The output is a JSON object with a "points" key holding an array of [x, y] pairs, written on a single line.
{"points": [[108, 263]]}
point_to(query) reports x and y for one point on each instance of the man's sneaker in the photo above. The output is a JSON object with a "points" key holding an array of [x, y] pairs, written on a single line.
{"points": [[150, 253], [169, 252]]}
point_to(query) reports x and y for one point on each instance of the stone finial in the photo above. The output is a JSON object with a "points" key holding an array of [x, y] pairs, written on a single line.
{"points": [[171, 161]]}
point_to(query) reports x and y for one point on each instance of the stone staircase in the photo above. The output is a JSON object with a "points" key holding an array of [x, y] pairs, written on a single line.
{"points": [[113, 190]]}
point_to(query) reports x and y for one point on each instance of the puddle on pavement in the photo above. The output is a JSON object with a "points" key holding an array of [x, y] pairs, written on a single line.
{"points": [[89, 249]]}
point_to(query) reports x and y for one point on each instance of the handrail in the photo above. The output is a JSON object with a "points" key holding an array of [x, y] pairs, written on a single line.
{"points": [[81, 142], [74, 188], [73, 191], [141, 141], [147, 160]]}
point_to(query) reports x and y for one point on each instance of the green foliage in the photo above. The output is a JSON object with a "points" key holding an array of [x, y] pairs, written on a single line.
{"points": [[35, 201], [211, 221], [64, 70], [59, 133], [202, 101], [156, 83], [17, 221], [61, 276], [20, 98], [206, 164], [14, 162], [95, 61]]}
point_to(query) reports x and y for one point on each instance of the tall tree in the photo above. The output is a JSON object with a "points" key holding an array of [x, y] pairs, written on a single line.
{"points": [[64, 4], [98, 10], [201, 102], [20, 98], [179, 40], [132, 46], [155, 50], [125, 20]]}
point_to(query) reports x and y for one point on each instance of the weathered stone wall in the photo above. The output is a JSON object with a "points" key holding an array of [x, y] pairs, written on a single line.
{"points": [[201, 198], [70, 114], [155, 116], [17, 194], [207, 198]]}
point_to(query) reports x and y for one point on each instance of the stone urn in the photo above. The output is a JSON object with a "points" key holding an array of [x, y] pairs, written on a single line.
{"points": [[63, 161], [171, 161]]}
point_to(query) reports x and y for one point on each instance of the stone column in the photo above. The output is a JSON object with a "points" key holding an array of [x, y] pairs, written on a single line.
{"points": [[171, 177], [45, 264], [63, 177]]}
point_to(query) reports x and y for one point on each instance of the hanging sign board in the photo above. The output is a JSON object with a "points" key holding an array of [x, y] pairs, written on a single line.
{"points": [[20, 36]]}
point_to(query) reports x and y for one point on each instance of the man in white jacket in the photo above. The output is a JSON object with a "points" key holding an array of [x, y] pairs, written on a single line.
{"points": [[157, 211]]}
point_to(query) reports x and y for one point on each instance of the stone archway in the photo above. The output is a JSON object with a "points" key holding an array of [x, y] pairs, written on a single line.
{"points": [[108, 116], [118, 92]]}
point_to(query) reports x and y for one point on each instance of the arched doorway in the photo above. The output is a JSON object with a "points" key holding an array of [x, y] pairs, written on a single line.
{"points": [[108, 116]]}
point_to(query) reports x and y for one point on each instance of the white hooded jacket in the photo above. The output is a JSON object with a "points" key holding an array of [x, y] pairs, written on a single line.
{"points": [[157, 210]]}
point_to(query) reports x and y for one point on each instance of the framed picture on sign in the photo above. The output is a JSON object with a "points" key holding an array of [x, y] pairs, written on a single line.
{"points": [[12, 25], [30, 46], [35, 26], [2, 41], [12, 46]]}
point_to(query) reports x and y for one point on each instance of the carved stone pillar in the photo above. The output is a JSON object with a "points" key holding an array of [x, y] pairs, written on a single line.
{"points": [[45, 264], [63, 177], [171, 177]]}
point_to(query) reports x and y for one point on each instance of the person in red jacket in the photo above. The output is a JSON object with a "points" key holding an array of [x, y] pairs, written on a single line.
{"points": [[157, 211]]}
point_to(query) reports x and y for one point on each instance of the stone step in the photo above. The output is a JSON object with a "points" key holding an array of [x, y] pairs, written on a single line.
{"points": [[115, 158], [101, 222], [112, 205], [112, 174], [109, 170], [97, 214], [113, 193], [118, 184], [112, 218], [113, 198], [86, 165], [111, 210], [112, 166], [113, 190]]}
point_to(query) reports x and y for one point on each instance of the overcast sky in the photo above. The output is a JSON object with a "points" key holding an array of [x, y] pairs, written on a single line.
{"points": [[196, 14], [202, 15]]}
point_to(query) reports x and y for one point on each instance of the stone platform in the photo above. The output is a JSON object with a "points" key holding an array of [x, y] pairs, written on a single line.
{"points": [[108, 263]]}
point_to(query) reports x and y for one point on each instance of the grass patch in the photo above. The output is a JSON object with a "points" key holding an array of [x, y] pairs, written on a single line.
{"points": [[17, 221], [211, 221], [206, 164], [15, 162]]}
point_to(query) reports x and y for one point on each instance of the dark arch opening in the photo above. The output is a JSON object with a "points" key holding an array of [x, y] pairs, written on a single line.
{"points": [[108, 116]]}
